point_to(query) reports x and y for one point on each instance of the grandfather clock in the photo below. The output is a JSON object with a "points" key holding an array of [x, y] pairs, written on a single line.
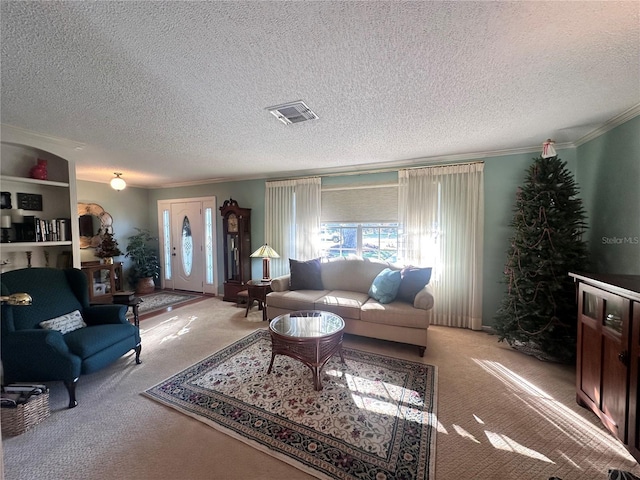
{"points": [[236, 228]]}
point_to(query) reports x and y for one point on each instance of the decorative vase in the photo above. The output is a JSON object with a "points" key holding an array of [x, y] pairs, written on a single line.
{"points": [[145, 286], [39, 171]]}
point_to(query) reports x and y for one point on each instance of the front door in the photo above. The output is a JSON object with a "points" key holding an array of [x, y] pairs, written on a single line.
{"points": [[187, 251]]}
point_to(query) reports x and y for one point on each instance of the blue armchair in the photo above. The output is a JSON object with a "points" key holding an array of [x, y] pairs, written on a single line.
{"points": [[31, 353]]}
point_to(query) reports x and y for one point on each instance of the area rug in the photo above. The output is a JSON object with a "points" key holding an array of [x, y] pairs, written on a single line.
{"points": [[161, 300], [375, 417]]}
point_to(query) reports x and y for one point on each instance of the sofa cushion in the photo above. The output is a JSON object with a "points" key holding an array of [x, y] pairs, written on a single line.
{"points": [[65, 323], [305, 275], [86, 342], [295, 299], [384, 287], [396, 313], [413, 280], [350, 274], [342, 302]]}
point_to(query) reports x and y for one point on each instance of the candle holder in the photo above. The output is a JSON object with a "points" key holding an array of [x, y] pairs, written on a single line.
{"points": [[5, 223], [17, 219]]}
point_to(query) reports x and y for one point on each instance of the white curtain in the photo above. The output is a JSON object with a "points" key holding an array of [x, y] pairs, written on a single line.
{"points": [[292, 220], [441, 212]]}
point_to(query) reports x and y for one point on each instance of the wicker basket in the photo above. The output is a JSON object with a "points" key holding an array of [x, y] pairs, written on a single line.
{"points": [[21, 418]]}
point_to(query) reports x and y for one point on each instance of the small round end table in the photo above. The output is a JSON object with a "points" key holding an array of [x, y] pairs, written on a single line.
{"points": [[310, 336]]}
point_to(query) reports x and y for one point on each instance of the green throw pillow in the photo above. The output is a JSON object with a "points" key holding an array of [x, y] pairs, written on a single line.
{"points": [[385, 286]]}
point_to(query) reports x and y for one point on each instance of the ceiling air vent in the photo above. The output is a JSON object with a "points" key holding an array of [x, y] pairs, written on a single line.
{"points": [[294, 112]]}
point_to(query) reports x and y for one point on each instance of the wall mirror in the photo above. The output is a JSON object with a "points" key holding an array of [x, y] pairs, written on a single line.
{"points": [[93, 221]]}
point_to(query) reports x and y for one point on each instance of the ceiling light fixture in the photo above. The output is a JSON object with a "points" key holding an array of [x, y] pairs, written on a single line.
{"points": [[294, 112], [118, 183]]}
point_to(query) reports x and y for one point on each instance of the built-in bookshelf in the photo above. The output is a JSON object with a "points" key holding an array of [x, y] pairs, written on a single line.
{"points": [[42, 212]]}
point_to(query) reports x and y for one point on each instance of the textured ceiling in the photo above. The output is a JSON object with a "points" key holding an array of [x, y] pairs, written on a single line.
{"points": [[176, 92]]}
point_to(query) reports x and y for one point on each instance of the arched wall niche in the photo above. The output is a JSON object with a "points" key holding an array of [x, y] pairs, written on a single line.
{"points": [[19, 158]]}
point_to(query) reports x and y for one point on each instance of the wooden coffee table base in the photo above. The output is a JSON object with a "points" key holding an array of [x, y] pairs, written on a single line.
{"points": [[313, 352]]}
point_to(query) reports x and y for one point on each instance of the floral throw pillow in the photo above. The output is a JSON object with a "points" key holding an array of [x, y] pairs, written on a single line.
{"points": [[65, 323]]}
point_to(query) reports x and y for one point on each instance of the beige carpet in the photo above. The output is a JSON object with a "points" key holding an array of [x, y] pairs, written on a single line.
{"points": [[161, 300], [501, 415], [373, 419]]}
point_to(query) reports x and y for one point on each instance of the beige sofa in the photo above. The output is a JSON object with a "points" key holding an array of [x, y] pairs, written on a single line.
{"points": [[346, 283]]}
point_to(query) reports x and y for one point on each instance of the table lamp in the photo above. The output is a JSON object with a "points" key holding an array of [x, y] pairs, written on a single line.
{"points": [[17, 299], [6, 226], [17, 219], [266, 253]]}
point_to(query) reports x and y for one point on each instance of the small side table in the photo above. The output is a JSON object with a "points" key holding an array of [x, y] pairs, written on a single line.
{"points": [[129, 299], [310, 336], [257, 291]]}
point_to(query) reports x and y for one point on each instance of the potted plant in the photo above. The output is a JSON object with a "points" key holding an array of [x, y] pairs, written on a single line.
{"points": [[146, 265], [108, 248]]}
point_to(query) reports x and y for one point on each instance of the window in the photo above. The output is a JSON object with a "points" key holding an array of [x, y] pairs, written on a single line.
{"points": [[166, 250], [209, 244], [187, 247], [360, 219], [377, 241]]}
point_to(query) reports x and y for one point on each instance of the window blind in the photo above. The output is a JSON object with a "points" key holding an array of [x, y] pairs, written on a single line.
{"points": [[360, 204]]}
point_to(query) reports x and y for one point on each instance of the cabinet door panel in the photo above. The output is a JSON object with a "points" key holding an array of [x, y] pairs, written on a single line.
{"points": [[591, 362], [614, 386], [633, 440], [608, 352]]}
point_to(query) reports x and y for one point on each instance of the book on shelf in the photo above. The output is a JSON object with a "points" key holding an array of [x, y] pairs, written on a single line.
{"points": [[56, 230], [35, 229]]}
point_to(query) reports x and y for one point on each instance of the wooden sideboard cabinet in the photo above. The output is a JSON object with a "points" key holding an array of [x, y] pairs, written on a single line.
{"points": [[608, 352], [104, 280]]}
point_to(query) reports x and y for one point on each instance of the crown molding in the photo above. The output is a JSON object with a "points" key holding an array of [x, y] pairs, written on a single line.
{"points": [[18, 135], [371, 167], [610, 124], [444, 159]]}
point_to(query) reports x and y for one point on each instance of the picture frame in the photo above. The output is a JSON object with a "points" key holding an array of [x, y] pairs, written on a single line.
{"points": [[5, 200]]}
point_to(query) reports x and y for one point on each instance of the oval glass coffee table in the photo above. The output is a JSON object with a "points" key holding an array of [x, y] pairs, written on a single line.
{"points": [[310, 336]]}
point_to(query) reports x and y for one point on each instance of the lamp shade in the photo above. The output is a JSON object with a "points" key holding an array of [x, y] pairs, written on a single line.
{"points": [[265, 251], [17, 215], [17, 299], [118, 183]]}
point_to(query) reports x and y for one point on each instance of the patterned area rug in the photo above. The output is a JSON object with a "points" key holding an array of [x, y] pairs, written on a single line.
{"points": [[161, 300], [374, 419]]}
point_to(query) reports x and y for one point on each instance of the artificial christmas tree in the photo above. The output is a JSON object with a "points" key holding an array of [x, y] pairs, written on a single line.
{"points": [[108, 248], [538, 313]]}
